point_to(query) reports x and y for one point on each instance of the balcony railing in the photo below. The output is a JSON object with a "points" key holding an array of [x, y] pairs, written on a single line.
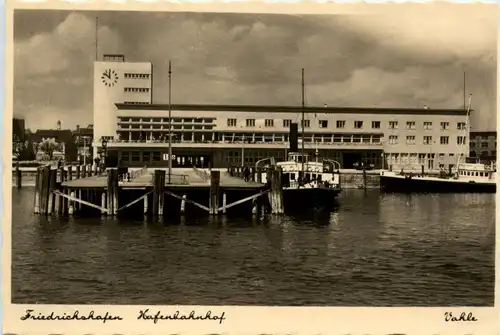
{"points": [[242, 143]]}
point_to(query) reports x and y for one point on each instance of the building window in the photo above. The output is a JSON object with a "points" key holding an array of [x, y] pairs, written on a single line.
{"points": [[484, 144], [445, 125], [393, 139], [136, 89], [287, 123], [393, 124], [444, 140], [231, 122], [156, 156], [136, 156], [269, 122], [411, 125], [323, 123], [376, 124], [427, 139], [340, 124], [460, 140], [410, 139], [358, 124], [137, 75], [460, 125], [427, 125], [250, 122], [306, 123]]}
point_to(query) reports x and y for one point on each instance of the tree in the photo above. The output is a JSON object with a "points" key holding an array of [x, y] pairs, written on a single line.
{"points": [[48, 146]]}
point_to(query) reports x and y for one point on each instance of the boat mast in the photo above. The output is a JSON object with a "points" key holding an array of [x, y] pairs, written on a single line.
{"points": [[302, 135], [467, 133]]}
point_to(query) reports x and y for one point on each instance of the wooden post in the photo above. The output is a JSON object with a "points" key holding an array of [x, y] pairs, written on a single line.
{"points": [[390, 167], [60, 200], [183, 204], [214, 192], [276, 194], [70, 172], [77, 172], [146, 205], [252, 173], [44, 201], [38, 189], [103, 202], [423, 170], [269, 175], [19, 181], [112, 191], [158, 192], [84, 171], [71, 208], [96, 170], [224, 202], [51, 196]]}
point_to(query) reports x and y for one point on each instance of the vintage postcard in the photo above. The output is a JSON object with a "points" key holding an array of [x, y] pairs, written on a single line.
{"points": [[250, 168]]}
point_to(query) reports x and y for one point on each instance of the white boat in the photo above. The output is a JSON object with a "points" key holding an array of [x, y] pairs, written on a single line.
{"points": [[469, 178]]}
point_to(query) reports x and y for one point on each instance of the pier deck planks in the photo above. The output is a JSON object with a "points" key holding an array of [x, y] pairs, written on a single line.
{"points": [[146, 180]]}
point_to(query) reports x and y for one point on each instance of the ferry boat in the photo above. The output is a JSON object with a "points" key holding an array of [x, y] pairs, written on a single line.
{"points": [[308, 184], [469, 178]]}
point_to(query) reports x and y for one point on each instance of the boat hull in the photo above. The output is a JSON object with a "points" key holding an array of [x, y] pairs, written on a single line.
{"points": [[309, 198], [393, 184]]}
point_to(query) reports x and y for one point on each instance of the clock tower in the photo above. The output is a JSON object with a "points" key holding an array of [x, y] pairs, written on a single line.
{"points": [[117, 81]]}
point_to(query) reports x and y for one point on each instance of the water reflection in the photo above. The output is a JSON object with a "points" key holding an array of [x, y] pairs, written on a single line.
{"points": [[371, 250]]}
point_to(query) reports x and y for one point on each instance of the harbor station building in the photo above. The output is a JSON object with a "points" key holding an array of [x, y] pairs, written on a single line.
{"points": [[136, 129]]}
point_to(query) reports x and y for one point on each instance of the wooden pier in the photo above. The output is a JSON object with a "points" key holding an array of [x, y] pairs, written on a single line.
{"points": [[86, 192]]}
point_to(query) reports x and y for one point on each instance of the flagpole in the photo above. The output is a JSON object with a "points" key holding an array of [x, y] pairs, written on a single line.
{"points": [[303, 105], [97, 38], [169, 122]]}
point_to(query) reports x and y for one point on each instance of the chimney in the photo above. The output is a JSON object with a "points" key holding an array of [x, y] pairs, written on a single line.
{"points": [[77, 127], [294, 128]]}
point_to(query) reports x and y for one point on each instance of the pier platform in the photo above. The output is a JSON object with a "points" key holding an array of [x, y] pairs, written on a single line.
{"points": [[180, 178]]}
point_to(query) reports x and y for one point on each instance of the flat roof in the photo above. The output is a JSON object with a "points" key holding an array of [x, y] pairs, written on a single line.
{"points": [[290, 109]]}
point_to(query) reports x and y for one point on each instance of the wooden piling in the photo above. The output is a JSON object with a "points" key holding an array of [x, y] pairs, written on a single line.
{"points": [[103, 203], [224, 203], [71, 204], [183, 204], [145, 205], [423, 170], [70, 172], [112, 191], [276, 194], [44, 198], [158, 192], [19, 181], [38, 189], [214, 192], [51, 206], [259, 175], [77, 172], [60, 200], [84, 171]]}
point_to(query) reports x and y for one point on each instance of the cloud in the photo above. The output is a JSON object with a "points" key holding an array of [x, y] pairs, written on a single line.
{"points": [[407, 57]]}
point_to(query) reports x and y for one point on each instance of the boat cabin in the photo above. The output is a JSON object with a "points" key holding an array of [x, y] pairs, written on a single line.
{"points": [[474, 171]]}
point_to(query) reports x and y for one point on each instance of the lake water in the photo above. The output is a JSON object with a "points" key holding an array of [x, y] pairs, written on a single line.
{"points": [[373, 250]]}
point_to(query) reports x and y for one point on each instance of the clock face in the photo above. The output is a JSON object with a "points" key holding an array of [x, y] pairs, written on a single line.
{"points": [[109, 77]]}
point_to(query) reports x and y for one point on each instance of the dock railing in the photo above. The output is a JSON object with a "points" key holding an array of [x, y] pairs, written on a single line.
{"points": [[130, 176]]}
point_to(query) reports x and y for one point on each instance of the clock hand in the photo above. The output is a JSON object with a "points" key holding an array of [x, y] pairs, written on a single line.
{"points": [[107, 74]]}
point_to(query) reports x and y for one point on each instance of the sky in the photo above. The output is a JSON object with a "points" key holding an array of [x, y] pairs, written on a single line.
{"points": [[401, 58]]}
